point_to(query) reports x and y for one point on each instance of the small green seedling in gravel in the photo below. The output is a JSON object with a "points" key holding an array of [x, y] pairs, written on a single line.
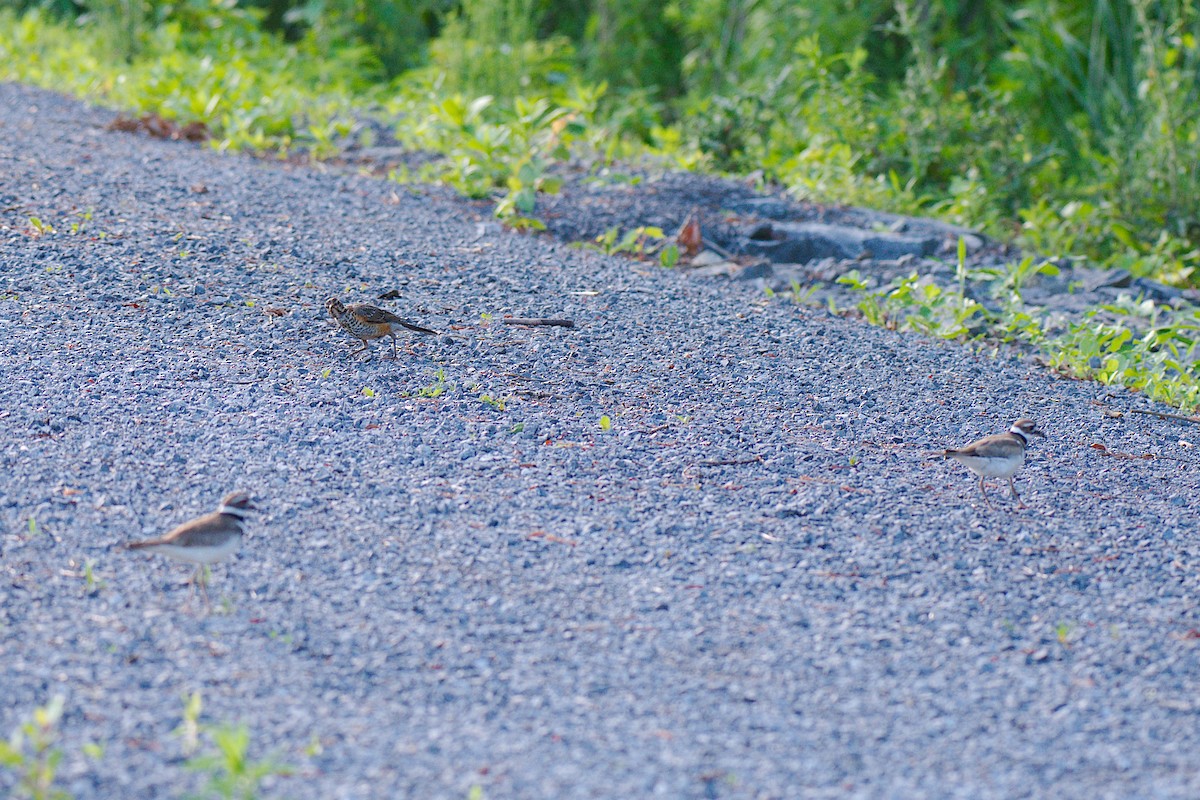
{"points": [[231, 773], [801, 294], [497, 403], [189, 727], [91, 585], [438, 387], [84, 218], [40, 228], [31, 754], [314, 747], [635, 241]]}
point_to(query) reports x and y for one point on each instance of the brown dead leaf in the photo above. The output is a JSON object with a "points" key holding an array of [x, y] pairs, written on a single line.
{"points": [[549, 537], [160, 127], [690, 239], [275, 311], [194, 131], [156, 125], [123, 124]]}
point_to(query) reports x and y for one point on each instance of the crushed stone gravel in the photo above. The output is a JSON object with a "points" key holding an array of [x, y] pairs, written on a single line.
{"points": [[460, 579]]}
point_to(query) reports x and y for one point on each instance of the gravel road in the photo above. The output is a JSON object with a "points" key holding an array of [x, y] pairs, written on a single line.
{"points": [[445, 593]]}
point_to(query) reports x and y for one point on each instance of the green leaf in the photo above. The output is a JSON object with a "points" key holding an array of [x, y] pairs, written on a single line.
{"points": [[9, 756], [527, 174], [526, 200], [605, 423]]}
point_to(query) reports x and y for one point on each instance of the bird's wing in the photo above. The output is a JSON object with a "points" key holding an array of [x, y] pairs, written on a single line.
{"points": [[998, 446], [374, 314], [378, 315]]}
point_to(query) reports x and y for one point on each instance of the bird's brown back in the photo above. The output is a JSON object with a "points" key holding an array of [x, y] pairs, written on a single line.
{"points": [[999, 445], [211, 530]]}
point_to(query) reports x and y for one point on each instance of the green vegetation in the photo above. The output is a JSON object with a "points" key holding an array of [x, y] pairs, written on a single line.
{"points": [[437, 388], [32, 755], [1064, 126], [1130, 343], [231, 774]]}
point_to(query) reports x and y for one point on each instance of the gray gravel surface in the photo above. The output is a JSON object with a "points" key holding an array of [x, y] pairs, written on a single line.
{"points": [[444, 594]]}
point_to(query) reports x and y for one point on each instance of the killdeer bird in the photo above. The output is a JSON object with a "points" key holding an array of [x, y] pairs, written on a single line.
{"points": [[366, 322], [998, 456], [204, 540]]}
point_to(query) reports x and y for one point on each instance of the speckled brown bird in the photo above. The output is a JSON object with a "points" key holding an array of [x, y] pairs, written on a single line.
{"points": [[998, 456], [204, 540], [366, 322]]}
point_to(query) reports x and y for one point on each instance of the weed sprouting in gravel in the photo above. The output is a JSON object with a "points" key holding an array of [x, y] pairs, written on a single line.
{"points": [[1156, 351], [40, 228], [437, 388], [639, 241], [231, 773], [498, 403], [31, 753], [189, 727], [91, 584]]}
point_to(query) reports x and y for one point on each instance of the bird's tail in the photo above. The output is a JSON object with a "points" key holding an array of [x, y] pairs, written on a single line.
{"points": [[418, 328]]}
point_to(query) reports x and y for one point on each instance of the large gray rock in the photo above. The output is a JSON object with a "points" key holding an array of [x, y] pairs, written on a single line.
{"points": [[802, 242]]}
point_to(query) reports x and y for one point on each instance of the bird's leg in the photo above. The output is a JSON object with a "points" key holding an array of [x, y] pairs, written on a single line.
{"points": [[1013, 486], [201, 580], [366, 346], [191, 588], [983, 491], [393, 346]]}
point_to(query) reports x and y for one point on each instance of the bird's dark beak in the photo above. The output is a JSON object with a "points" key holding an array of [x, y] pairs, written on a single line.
{"points": [[1037, 432]]}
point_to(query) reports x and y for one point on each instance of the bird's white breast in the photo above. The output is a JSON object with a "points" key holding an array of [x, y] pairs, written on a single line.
{"points": [[994, 467], [207, 554]]}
